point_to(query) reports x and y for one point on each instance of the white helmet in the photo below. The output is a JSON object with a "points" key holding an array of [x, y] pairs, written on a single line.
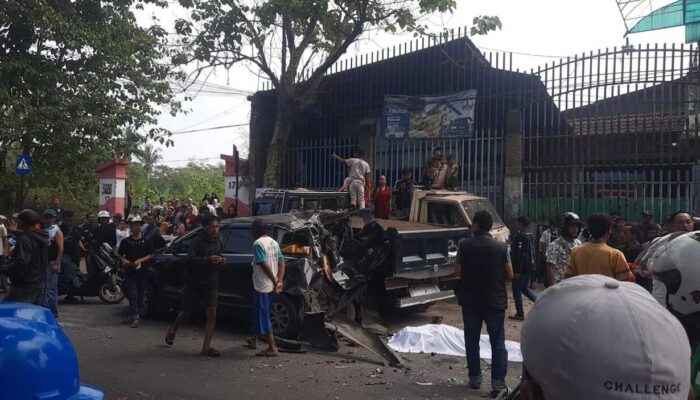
{"points": [[103, 214], [675, 260]]}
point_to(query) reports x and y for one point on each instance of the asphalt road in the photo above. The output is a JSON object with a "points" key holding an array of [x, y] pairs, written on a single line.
{"points": [[137, 364]]}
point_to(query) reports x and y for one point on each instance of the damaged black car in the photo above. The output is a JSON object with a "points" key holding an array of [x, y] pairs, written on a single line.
{"points": [[335, 261]]}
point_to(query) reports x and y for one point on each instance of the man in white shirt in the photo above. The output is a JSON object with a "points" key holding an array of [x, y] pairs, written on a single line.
{"points": [[268, 278], [360, 178]]}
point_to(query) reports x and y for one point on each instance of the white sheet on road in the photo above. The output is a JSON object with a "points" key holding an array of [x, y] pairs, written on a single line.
{"points": [[445, 339]]}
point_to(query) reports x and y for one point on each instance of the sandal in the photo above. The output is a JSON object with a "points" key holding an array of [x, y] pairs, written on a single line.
{"points": [[170, 336], [267, 353], [251, 343], [210, 352]]}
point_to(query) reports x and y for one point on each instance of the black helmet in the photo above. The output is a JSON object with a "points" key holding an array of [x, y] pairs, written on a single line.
{"points": [[568, 218]]}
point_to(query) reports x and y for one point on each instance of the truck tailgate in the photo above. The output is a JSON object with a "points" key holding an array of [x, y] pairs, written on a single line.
{"points": [[424, 251]]}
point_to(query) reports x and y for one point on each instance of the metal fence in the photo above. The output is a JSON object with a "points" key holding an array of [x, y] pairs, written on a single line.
{"points": [[621, 134], [614, 130]]}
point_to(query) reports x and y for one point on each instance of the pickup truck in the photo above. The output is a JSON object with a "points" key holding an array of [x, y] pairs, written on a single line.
{"points": [[420, 270], [453, 209]]}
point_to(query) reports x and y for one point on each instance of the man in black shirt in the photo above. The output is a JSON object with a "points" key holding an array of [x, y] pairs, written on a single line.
{"points": [[201, 280], [402, 194], [522, 255], [483, 265], [136, 251], [29, 258]]}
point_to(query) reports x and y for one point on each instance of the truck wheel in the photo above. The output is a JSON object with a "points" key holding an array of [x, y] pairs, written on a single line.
{"points": [[285, 317]]}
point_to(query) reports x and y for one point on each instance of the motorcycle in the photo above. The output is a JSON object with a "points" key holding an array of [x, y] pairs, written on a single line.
{"points": [[104, 279]]}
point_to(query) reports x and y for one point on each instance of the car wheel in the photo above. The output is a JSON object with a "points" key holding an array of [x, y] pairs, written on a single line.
{"points": [[285, 318], [111, 294]]}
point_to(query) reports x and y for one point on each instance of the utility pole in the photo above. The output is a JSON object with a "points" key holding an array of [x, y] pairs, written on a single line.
{"points": [[237, 166]]}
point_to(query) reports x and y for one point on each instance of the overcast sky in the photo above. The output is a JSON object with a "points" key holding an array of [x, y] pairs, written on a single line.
{"points": [[542, 30]]}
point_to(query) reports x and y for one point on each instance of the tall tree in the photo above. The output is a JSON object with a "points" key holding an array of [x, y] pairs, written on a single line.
{"points": [[149, 156], [72, 74], [294, 43]]}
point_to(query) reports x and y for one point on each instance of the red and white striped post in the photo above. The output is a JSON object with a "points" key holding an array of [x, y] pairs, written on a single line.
{"points": [[236, 184], [112, 188]]}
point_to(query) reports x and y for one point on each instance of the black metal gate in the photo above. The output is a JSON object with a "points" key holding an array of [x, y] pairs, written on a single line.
{"points": [[614, 130], [620, 134]]}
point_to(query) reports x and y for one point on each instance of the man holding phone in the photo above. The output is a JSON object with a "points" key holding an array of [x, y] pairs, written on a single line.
{"points": [[201, 281]]}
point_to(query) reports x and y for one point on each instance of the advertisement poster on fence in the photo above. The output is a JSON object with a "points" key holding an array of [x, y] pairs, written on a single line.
{"points": [[419, 117]]}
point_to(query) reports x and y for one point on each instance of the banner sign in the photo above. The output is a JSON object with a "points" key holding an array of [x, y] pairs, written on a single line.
{"points": [[429, 116]]}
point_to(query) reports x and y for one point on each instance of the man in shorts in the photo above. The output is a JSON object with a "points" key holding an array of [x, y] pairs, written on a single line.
{"points": [[201, 280], [360, 178], [268, 277]]}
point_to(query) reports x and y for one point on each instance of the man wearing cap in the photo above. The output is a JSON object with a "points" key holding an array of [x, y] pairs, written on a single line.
{"points": [[565, 358], [29, 258], [49, 294], [484, 266], [595, 256], [136, 251]]}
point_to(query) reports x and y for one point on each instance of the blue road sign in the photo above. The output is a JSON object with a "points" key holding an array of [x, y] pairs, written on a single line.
{"points": [[24, 164]]}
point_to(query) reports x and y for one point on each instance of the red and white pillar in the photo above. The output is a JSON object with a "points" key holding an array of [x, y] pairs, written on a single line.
{"points": [[112, 189], [240, 179]]}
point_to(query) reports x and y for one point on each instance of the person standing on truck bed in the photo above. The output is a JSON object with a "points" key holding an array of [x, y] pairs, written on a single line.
{"points": [[484, 266], [382, 199], [360, 179], [403, 189]]}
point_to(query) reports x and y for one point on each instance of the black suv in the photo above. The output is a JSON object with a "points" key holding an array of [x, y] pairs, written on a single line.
{"points": [[165, 276]]}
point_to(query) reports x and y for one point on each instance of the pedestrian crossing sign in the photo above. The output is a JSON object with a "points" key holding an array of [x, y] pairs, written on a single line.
{"points": [[24, 164]]}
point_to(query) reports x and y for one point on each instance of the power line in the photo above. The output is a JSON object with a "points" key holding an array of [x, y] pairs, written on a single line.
{"points": [[211, 129], [212, 117]]}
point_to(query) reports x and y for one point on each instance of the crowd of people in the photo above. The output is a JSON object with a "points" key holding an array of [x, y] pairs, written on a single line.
{"points": [[604, 327], [49, 241], [596, 331]]}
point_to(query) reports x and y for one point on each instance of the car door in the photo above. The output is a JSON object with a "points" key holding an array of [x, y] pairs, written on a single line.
{"points": [[170, 268], [235, 276]]}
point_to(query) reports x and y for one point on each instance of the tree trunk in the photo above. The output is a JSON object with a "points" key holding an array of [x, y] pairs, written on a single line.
{"points": [[284, 117]]}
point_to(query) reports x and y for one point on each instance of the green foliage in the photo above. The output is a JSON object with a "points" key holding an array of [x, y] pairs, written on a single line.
{"points": [[484, 24], [294, 43], [191, 181], [72, 75]]}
